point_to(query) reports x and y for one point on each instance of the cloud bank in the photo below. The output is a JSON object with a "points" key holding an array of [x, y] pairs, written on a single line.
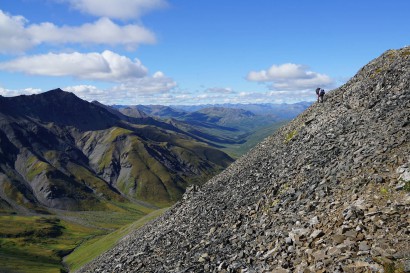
{"points": [[13, 35], [106, 66], [118, 9], [17, 36], [291, 77]]}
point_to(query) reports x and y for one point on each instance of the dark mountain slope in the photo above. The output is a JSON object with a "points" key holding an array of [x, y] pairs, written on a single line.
{"points": [[59, 107], [58, 151], [329, 192]]}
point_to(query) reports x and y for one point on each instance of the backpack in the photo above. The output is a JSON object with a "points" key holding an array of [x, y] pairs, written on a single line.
{"points": [[322, 92], [317, 91]]}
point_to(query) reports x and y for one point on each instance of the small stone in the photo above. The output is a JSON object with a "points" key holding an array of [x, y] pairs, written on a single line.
{"points": [[406, 266], [378, 179], [338, 238], [317, 233], [314, 221], [204, 257], [400, 186], [363, 246], [319, 255], [351, 233], [333, 251], [280, 270]]}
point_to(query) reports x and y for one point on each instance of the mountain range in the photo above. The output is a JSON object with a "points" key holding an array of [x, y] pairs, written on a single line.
{"points": [[328, 192], [229, 127], [58, 151]]}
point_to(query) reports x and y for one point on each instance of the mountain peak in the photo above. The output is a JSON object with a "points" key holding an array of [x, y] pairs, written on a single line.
{"points": [[60, 107], [57, 90], [327, 191]]}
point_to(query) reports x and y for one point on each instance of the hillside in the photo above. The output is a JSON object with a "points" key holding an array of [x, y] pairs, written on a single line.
{"points": [[60, 152], [329, 192]]}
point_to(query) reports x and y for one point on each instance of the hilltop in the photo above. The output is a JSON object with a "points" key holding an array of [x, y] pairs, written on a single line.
{"points": [[329, 192]]}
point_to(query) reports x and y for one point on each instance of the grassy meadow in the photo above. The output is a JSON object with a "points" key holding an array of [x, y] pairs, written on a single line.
{"points": [[65, 241]]}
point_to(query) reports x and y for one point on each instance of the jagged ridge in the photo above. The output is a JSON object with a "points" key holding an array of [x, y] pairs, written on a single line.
{"points": [[326, 193]]}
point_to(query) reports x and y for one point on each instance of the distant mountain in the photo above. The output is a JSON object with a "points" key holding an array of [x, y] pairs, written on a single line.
{"points": [[58, 151], [159, 111], [235, 128], [219, 115], [128, 112], [281, 110]]}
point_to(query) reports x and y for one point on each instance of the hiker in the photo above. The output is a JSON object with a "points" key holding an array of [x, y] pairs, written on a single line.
{"points": [[317, 93], [321, 95]]}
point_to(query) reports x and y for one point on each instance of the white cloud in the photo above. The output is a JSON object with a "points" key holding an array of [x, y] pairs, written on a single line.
{"points": [[105, 66], [119, 9], [13, 35], [11, 93], [160, 89], [290, 77], [103, 31], [16, 35], [158, 83], [149, 89], [219, 90]]}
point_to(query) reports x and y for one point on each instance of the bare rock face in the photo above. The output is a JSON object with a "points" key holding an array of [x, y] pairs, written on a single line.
{"points": [[329, 192]]}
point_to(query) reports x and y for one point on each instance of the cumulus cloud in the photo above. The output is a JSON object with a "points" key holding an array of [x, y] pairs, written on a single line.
{"points": [[290, 76], [105, 66], [160, 89], [16, 35], [219, 90], [119, 9], [13, 35], [103, 31], [11, 93], [149, 89], [158, 83]]}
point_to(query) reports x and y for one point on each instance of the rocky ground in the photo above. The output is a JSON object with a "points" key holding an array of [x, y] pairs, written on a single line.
{"points": [[329, 192]]}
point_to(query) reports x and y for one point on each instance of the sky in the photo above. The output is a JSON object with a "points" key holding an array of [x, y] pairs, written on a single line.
{"points": [[191, 52]]}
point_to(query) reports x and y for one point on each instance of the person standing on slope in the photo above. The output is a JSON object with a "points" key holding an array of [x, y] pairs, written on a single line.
{"points": [[317, 93], [321, 95]]}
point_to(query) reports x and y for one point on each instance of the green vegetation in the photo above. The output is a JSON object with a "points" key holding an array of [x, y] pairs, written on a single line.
{"points": [[384, 191], [38, 244], [116, 132], [407, 186], [378, 70], [405, 53], [93, 248], [289, 136], [36, 167], [236, 150], [389, 266], [92, 181]]}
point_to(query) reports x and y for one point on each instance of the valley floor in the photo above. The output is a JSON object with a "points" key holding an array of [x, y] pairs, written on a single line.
{"points": [[66, 241]]}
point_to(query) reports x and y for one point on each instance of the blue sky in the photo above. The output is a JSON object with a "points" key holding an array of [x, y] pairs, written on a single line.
{"points": [[193, 52]]}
